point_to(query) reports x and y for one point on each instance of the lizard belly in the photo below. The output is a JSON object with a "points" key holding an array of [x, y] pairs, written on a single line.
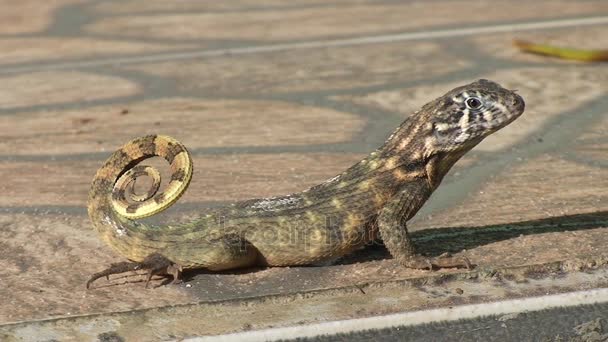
{"points": [[309, 242]]}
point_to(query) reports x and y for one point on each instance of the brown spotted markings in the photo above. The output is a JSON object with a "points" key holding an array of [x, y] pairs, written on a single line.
{"points": [[373, 198]]}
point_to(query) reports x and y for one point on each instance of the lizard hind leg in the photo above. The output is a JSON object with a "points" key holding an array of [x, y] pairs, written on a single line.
{"points": [[155, 264], [229, 251], [225, 252]]}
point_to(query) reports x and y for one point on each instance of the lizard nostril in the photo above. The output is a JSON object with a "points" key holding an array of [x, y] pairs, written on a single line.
{"points": [[517, 101]]}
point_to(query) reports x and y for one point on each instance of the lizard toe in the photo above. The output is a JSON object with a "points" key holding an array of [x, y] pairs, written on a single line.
{"points": [[449, 261]]}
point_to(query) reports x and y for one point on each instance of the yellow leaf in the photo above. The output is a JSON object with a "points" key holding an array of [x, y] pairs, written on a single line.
{"points": [[562, 52]]}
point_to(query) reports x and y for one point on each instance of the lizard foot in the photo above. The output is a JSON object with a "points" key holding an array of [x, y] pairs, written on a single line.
{"points": [[445, 260], [154, 263]]}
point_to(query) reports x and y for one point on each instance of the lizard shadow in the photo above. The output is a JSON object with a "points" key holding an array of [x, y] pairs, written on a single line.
{"points": [[434, 242]]}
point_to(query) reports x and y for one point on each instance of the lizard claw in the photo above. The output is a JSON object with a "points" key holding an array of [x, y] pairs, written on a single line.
{"points": [[114, 268], [154, 263]]}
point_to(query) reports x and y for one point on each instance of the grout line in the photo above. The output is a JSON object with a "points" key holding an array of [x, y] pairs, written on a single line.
{"points": [[456, 313], [246, 50]]}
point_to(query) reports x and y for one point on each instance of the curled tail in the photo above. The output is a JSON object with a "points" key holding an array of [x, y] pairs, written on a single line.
{"points": [[108, 207]]}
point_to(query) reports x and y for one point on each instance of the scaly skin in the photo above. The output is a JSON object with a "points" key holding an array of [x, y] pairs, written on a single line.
{"points": [[373, 198]]}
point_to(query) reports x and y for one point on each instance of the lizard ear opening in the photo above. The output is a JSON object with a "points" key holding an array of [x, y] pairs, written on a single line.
{"points": [[441, 129]]}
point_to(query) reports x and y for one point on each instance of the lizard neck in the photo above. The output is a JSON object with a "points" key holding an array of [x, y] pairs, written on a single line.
{"points": [[411, 153], [406, 156]]}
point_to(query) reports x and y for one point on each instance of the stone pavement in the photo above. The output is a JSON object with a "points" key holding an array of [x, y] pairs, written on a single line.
{"points": [[272, 97]]}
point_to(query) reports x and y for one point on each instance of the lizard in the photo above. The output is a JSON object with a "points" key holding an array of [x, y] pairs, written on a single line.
{"points": [[371, 200]]}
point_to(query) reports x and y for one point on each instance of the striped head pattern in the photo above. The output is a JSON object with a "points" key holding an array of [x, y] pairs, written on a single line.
{"points": [[464, 116]]}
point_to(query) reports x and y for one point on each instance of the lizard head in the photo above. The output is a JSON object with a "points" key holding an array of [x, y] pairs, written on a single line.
{"points": [[446, 128], [460, 119]]}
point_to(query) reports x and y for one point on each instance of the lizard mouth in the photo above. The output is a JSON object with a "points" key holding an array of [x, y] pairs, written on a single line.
{"points": [[514, 109]]}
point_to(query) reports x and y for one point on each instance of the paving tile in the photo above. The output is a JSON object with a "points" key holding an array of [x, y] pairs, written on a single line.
{"points": [[35, 184], [309, 70], [595, 152], [216, 178], [159, 6], [596, 133], [198, 123], [546, 186], [541, 248], [593, 144], [530, 227], [297, 310], [22, 50], [52, 87], [45, 261], [335, 21], [543, 88], [46, 275], [29, 16]]}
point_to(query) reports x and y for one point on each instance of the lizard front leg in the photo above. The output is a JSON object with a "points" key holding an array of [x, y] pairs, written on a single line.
{"points": [[393, 231]]}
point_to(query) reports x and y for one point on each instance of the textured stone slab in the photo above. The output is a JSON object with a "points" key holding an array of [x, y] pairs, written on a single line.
{"points": [[374, 299], [197, 123], [537, 223], [542, 187], [29, 16], [45, 261], [310, 70], [542, 87], [21, 50], [52, 87], [159, 6], [34, 271], [591, 147], [334, 21]]}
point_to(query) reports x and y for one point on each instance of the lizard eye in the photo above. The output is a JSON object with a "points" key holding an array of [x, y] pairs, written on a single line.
{"points": [[473, 103]]}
